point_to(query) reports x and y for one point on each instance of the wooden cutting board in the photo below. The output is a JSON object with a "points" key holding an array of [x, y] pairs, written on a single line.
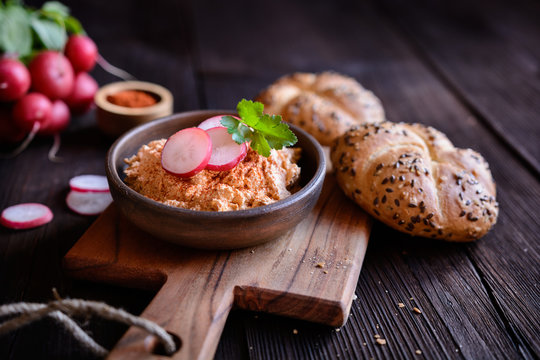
{"points": [[309, 273]]}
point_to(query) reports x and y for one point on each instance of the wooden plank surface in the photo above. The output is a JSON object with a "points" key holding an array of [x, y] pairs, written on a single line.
{"points": [[479, 299], [410, 93], [479, 51]]}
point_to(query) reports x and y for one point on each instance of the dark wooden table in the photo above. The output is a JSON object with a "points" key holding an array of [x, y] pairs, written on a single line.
{"points": [[470, 69]]}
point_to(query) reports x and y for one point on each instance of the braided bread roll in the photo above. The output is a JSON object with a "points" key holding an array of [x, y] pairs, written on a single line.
{"points": [[325, 104], [413, 179]]}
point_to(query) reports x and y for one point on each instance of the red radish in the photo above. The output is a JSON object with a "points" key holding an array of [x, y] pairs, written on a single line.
{"points": [[82, 97], [9, 133], [226, 153], [88, 203], [187, 152], [26, 216], [52, 74], [82, 52], [213, 122], [31, 109], [58, 120], [14, 79], [89, 183]]}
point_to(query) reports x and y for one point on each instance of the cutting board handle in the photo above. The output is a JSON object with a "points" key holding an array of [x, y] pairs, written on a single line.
{"points": [[190, 308]]}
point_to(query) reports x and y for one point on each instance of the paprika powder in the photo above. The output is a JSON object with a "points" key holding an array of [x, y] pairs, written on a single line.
{"points": [[132, 99]]}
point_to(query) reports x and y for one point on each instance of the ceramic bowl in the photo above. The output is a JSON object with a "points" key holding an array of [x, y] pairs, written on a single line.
{"points": [[114, 120], [208, 229]]}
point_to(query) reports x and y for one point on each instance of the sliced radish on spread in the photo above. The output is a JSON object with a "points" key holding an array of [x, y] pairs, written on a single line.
{"points": [[226, 153], [26, 216], [88, 203], [89, 183], [187, 152], [213, 122]]}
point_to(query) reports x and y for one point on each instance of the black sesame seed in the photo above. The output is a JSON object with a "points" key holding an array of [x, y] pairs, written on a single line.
{"points": [[396, 216], [412, 183], [383, 200], [462, 213], [440, 232], [396, 201], [392, 179], [430, 215], [412, 205], [471, 217], [402, 178], [358, 191], [468, 202], [379, 167], [377, 212], [376, 201], [389, 190], [401, 222], [385, 180]]}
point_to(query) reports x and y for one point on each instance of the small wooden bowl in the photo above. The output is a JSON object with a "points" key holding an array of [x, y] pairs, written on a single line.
{"points": [[114, 120], [208, 229]]}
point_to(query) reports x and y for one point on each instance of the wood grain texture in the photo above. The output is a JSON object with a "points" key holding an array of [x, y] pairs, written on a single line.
{"points": [[199, 288], [481, 299], [388, 65], [479, 52]]}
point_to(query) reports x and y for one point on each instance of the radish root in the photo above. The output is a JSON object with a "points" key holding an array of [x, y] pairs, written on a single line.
{"points": [[19, 149], [54, 150], [113, 70]]}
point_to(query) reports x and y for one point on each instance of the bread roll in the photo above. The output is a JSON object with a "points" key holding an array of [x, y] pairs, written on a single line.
{"points": [[325, 104], [413, 179]]}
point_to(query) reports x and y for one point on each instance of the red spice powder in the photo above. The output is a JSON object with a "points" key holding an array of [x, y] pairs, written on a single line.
{"points": [[132, 99]]}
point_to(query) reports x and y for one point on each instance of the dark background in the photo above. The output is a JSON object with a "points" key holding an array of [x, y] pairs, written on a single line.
{"points": [[470, 69]]}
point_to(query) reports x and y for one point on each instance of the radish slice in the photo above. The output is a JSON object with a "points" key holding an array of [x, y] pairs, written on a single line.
{"points": [[26, 216], [89, 183], [187, 152], [226, 153], [88, 203], [213, 122]]}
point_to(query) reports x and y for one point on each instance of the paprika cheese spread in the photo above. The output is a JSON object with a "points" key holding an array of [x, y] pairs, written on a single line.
{"points": [[255, 181]]}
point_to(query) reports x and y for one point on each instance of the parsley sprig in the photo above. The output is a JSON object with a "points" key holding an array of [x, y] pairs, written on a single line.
{"points": [[263, 131]]}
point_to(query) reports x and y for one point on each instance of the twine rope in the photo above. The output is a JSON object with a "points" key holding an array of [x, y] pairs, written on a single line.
{"points": [[63, 309]]}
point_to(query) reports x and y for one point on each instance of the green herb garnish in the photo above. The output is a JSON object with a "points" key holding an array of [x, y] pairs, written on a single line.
{"points": [[25, 31], [264, 131]]}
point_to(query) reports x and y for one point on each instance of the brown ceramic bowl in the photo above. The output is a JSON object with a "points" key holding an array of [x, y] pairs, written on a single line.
{"points": [[208, 229]]}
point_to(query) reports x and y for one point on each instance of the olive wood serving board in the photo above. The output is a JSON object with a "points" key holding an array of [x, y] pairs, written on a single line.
{"points": [[309, 273]]}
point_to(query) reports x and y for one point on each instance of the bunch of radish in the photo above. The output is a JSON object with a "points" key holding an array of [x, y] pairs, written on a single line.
{"points": [[208, 146], [88, 195], [40, 98]]}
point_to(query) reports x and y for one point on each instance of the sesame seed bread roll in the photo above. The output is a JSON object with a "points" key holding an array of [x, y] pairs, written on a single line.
{"points": [[413, 179], [325, 105]]}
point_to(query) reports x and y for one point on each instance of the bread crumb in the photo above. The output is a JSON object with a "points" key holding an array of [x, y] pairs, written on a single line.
{"points": [[376, 336], [355, 297], [295, 332], [381, 341], [252, 251], [338, 330], [417, 310], [401, 305], [419, 352], [320, 264]]}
